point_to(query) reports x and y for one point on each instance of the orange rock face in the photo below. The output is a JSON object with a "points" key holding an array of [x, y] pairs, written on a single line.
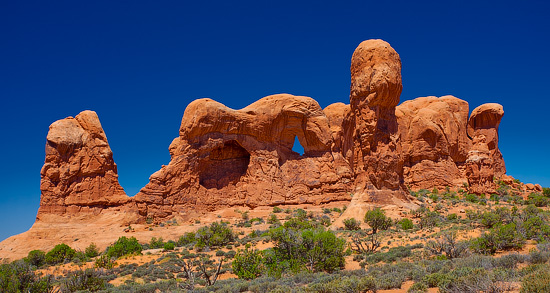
{"points": [[373, 138], [79, 174], [371, 149], [434, 141], [225, 157], [484, 161]]}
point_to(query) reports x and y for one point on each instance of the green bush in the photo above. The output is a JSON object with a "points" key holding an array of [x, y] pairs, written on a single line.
{"points": [[277, 210], [124, 246], [546, 191], [18, 276], [36, 258], [418, 287], [537, 281], [104, 261], [489, 219], [169, 246], [406, 224], [186, 239], [377, 220], [248, 264], [91, 250], [156, 243], [88, 279], [537, 199], [59, 254], [215, 235], [429, 220], [297, 248], [471, 198], [500, 237], [352, 224]]}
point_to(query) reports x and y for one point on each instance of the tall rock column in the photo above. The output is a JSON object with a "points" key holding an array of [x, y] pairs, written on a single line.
{"points": [[375, 90], [485, 160], [371, 131]]}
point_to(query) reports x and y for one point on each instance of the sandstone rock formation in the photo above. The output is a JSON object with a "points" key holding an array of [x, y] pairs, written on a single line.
{"points": [[371, 149], [434, 141], [226, 157], [79, 174], [484, 161]]}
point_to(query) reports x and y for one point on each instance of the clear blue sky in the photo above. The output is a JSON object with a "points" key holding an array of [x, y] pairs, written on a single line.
{"points": [[139, 63]]}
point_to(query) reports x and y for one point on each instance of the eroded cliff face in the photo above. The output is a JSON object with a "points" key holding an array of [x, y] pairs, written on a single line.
{"points": [[225, 157], [371, 149]]}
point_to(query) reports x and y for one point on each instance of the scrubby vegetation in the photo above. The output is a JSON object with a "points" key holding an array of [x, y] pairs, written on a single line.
{"points": [[455, 241]]}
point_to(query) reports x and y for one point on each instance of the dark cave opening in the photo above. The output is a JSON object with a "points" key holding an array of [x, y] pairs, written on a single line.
{"points": [[224, 165]]}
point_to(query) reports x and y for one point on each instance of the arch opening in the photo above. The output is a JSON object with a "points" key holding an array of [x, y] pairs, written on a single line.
{"points": [[297, 147]]}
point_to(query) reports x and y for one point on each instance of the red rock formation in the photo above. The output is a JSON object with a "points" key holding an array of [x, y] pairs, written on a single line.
{"points": [[226, 157], [79, 174], [484, 161], [372, 136], [434, 141]]}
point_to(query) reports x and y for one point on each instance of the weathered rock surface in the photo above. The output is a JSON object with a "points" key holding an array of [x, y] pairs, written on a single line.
{"points": [[371, 149], [434, 141], [79, 174], [226, 157], [484, 161]]}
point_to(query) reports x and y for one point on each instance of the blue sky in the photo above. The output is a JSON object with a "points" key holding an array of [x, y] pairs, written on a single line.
{"points": [[139, 63]]}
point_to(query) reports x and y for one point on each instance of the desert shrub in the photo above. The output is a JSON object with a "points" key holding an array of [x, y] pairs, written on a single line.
{"points": [[429, 220], [124, 246], [273, 220], [393, 254], [91, 250], [88, 279], [60, 254], [471, 198], [377, 220], [436, 279], [447, 245], [489, 219], [186, 239], [537, 281], [352, 224], [501, 237], [537, 199], [346, 284], [546, 191], [215, 235], [36, 258], [310, 248], [324, 220], [104, 261], [452, 217], [169, 245], [156, 243], [248, 264], [277, 210], [18, 276], [535, 228], [418, 287], [406, 224]]}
